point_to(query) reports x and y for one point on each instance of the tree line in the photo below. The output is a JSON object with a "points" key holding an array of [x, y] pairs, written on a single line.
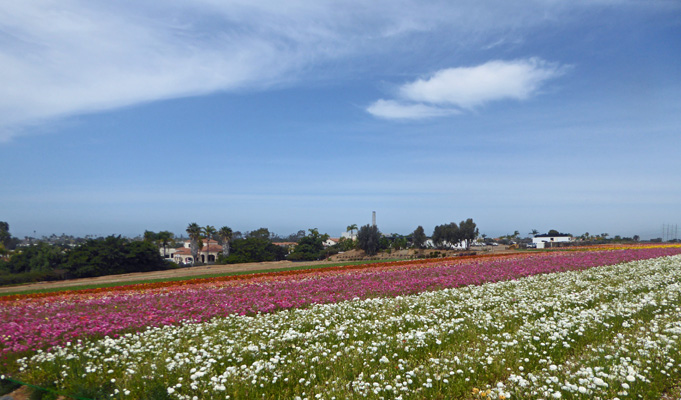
{"points": [[94, 257], [116, 255]]}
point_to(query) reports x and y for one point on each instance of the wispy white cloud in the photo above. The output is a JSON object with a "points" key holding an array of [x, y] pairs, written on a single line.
{"points": [[68, 57], [392, 109], [450, 90], [468, 87]]}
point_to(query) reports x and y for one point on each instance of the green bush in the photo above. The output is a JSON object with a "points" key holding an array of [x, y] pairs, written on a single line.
{"points": [[29, 277]]}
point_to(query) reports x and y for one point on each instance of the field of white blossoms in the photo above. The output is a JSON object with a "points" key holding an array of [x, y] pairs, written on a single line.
{"points": [[601, 333]]}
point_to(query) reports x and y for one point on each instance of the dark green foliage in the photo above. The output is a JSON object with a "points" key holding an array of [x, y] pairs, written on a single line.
{"points": [[446, 235], [25, 277], [4, 233], [419, 237], [383, 243], [400, 243], [6, 239], [345, 244], [469, 231], [8, 386], [368, 239], [451, 234], [252, 249], [310, 247], [262, 233], [41, 257], [113, 255]]}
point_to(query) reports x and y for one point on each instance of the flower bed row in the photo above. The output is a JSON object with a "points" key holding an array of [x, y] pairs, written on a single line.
{"points": [[290, 273], [40, 323], [611, 332]]}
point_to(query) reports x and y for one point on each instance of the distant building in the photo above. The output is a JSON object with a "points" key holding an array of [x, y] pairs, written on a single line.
{"points": [[288, 245], [349, 235], [429, 244], [208, 254], [545, 240], [331, 241]]}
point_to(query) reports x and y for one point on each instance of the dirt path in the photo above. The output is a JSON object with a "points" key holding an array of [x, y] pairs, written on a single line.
{"points": [[353, 255], [175, 273]]}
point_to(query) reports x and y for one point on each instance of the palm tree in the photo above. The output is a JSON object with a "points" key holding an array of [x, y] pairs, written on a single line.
{"points": [[534, 232], [194, 232], [225, 234], [351, 228], [209, 231], [164, 238]]}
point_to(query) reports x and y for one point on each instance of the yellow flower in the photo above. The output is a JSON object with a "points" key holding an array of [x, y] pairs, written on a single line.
{"points": [[475, 390]]}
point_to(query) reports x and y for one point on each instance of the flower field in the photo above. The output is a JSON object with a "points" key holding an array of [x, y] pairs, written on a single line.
{"points": [[537, 325]]}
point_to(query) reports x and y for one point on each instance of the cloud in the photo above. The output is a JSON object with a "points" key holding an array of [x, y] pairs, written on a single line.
{"points": [[391, 109], [70, 57], [450, 90], [468, 87]]}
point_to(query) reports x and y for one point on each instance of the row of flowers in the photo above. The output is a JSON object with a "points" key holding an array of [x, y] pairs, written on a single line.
{"points": [[233, 278], [40, 323], [610, 332], [343, 268]]}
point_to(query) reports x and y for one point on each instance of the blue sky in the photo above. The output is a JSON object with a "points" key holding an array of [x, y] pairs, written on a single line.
{"points": [[118, 117]]}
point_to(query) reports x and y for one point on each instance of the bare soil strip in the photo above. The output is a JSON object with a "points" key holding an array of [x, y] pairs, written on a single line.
{"points": [[167, 274]]}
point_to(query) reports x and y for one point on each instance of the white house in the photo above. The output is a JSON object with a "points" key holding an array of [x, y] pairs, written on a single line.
{"points": [[457, 246], [330, 242], [546, 240], [208, 254]]}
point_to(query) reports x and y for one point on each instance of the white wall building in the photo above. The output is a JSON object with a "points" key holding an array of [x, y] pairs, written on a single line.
{"points": [[545, 241], [349, 235], [457, 246], [330, 242]]}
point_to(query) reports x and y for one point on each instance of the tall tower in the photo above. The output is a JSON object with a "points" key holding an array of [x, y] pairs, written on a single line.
{"points": [[373, 218]]}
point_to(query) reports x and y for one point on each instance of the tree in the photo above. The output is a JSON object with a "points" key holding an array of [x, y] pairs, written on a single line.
{"points": [[262, 233], [194, 232], [164, 238], [41, 257], [113, 255], [468, 232], [447, 235], [150, 236], [637, 238], [534, 232], [209, 231], [368, 239], [345, 244], [309, 247], [351, 228], [6, 238], [553, 232], [419, 237], [253, 249], [225, 235], [4, 233]]}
